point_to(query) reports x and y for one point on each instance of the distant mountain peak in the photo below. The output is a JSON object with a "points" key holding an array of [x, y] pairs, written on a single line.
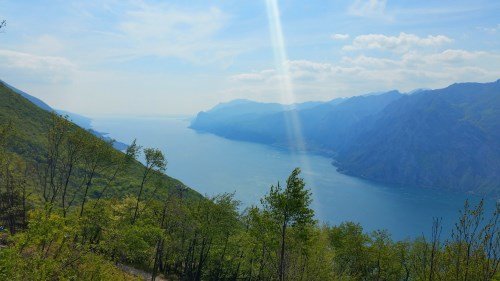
{"points": [[418, 90], [380, 93]]}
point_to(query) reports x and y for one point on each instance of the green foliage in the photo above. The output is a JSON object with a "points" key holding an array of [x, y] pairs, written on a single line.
{"points": [[155, 163], [350, 246], [211, 240], [289, 207], [76, 209], [48, 250], [155, 159]]}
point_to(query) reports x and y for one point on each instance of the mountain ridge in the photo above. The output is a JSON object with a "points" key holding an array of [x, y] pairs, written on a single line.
{"points": [[80, 120], [29, 140], [392, 137]]}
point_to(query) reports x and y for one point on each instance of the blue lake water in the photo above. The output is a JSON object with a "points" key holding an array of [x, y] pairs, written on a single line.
{"points": [[213, 165]]}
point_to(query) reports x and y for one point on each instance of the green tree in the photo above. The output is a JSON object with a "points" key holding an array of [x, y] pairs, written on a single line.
{"points": [[289, 207], [98, 160], [122, 162], [73, 152], [155, 162], [51, 169], [350, 245], [384, 257], [14, 176]]}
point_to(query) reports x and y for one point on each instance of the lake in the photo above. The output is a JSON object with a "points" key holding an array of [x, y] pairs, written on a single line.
{"points": [[213, 165]]}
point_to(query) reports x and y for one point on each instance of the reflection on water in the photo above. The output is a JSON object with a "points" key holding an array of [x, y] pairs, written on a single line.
{"points": [[213, 165]]}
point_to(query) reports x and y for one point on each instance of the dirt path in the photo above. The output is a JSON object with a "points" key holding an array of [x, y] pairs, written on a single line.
{"points": [[139, 273]]}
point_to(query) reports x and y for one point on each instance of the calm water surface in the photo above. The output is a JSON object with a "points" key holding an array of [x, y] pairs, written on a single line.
{"points": [[213, 165]]}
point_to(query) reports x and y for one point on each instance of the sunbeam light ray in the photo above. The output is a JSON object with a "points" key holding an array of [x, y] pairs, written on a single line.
{"points": [[292, 122]]}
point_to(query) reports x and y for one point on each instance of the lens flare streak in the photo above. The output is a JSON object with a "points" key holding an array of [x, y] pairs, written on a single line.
{"points": [[293, 127], [292, 122]]}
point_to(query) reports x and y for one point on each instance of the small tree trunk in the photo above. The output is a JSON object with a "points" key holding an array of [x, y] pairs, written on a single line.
{"points": [[87, 187], [282, 253], [144, 177]]}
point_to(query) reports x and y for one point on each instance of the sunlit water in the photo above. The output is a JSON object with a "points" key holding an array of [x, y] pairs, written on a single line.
{"points": [[212, 165]]}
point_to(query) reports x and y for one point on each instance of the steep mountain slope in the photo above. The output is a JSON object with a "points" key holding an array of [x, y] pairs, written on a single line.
{"points": [[448, 138], [324, 125], [82, 121], [330, 127], [34, 100], [86, 123], [29, 140]]}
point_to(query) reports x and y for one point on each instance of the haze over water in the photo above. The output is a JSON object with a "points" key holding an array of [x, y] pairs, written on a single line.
{"points": [[213, 165]]}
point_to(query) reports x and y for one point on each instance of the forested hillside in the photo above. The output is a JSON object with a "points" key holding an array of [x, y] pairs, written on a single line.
{"points": [[79, 120], [29, 138], [73, 208], [446, 138]]}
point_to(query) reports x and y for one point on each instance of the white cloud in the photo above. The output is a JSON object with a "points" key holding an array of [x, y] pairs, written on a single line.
{"points": [[360, 74], [339, 36], [368, 8], [50, 68], [47, 44], [250, 77], [366, 61], [110, 50], [401, 43], [450, 56], [167, 31], [491, 29]]}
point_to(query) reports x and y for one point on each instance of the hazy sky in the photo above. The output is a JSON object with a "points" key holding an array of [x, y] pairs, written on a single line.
{"points": [[177, 57]]}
